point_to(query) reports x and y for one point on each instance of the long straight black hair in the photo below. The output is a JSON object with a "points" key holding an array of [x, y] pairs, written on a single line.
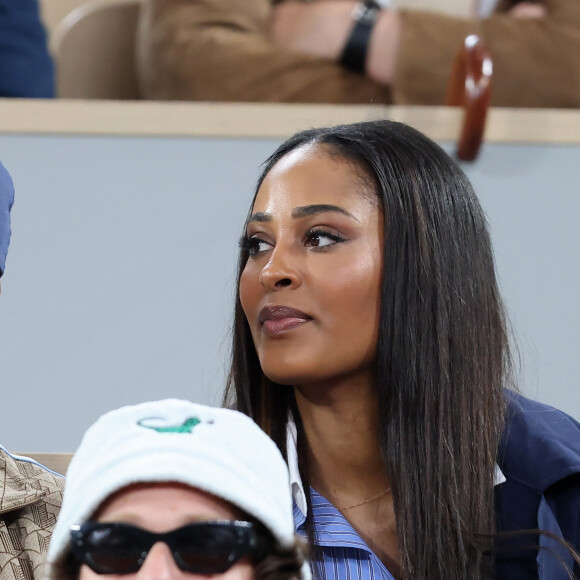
{"points": [[443, 350]]}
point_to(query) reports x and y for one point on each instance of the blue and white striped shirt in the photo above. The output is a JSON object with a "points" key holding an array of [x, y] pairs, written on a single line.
{"points": [[345, 554]]}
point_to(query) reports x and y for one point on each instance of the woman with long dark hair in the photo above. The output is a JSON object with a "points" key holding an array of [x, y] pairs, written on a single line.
{"points": [[370, 343]]}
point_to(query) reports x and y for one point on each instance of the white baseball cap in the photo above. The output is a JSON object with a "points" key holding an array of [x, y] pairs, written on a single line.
{"points": [[220, 451]]}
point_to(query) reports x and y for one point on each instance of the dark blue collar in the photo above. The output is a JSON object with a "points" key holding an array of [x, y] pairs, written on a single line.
{"points": [[540, 445]]}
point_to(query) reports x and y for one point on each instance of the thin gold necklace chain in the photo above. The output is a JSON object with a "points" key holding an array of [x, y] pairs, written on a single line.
{"points": [[369, 500]]}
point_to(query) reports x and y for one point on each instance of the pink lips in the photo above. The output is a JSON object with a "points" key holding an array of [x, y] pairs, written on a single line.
{"points": [[277, 320]]}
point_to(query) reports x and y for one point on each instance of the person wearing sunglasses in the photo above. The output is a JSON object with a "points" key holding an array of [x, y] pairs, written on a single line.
{"points": [[171, 490]]}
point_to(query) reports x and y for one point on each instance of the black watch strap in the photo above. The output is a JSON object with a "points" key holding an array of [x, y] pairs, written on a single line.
{"points": [[354, 55]]}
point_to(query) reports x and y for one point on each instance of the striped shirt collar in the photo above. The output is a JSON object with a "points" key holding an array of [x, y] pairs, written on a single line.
{"points": [[344, 555], [298, 494]]}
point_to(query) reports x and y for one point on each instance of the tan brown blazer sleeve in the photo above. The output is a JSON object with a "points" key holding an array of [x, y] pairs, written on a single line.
{"points": [[218, 50], [536, 62]]}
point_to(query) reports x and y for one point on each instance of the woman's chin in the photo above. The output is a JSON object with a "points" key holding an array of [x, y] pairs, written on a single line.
{"points": [[284, 379], [288, 375]]}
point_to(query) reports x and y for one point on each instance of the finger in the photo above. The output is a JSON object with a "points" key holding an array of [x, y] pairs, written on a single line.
{"points": [[528, 10]]}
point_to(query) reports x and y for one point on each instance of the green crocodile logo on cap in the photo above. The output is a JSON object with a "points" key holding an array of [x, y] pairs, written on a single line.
{"points": [[152, 423]]}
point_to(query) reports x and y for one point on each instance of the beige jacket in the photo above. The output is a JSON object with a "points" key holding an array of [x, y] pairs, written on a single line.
{"points": [[30, 499], [219, 50]]}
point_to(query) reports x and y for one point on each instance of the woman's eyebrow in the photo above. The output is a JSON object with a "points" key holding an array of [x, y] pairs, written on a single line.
{"points": [[307, 210], [260, 216], [303, 211]]}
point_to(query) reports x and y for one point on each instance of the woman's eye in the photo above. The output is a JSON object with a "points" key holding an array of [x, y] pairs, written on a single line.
{"points": [[322, 238], [253, 245]]}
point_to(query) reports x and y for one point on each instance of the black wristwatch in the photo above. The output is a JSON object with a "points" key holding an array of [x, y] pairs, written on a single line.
{"points": [[365, 15]]}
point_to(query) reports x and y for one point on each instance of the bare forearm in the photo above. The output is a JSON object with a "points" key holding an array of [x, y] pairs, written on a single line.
{"points": [[315, 28], [384, 47], [322, 29]]}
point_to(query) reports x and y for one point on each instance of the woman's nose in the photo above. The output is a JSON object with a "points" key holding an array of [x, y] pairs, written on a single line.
{"points": [[160, 565], [281, 270]]}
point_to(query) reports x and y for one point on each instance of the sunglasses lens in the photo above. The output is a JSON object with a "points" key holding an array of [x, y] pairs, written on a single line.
{"points": [[114, 550], [213, 549], [114, 563], [197, 563]]}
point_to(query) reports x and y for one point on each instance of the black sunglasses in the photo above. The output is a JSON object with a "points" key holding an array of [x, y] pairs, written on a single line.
{"points": [[198, 548]]}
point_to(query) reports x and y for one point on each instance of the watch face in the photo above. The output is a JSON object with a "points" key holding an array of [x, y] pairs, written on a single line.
{"points": [[384, 3]]}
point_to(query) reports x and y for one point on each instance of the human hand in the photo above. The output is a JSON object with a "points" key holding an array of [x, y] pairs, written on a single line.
{"points": [[528, 10], [316, 28], [321, 28]]}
